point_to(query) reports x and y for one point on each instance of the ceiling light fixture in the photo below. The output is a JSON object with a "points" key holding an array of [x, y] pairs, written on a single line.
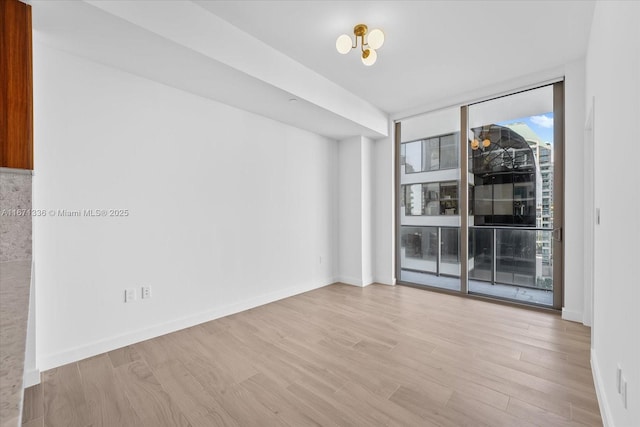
{"points": [[374, 40], [482, 141], [475, 144]]}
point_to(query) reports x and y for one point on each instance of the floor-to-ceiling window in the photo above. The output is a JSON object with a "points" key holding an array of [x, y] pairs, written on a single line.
{"points": [[502, 217], [429, 212]]}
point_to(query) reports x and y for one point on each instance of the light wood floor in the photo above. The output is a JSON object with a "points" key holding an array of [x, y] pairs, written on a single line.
{"points": [[339, 355]]}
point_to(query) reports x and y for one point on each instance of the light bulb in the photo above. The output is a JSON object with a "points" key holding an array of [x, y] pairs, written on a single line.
{"points": [[369, 57], [343, 44], [475, 144], [486, 143], [375, 39]]}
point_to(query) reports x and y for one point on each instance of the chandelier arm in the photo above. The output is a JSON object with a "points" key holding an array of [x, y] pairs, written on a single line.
{"points": [[368, 53]]}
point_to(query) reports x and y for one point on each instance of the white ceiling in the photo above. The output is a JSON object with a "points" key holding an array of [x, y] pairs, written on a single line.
{"points": [[433, 49], [256, 55]]}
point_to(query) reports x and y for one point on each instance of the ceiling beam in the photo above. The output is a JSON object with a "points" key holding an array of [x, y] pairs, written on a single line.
{"points": [[191, 26]]}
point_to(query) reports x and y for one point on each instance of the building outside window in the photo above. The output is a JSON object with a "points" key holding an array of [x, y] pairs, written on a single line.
{"points": [[430, 154], [434, 198], [504, 191]]}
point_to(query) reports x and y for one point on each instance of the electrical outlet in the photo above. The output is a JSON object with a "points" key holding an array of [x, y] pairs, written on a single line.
{"points": [[623, 391], [619, 379], [146, 292], [129, 295]]}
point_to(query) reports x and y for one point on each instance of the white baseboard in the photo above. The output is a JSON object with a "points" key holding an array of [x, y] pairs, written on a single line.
{"points": [[353, 281], [382, 282], [572, 315], [50, 361], [31, 378], [356, 281], [385, 280], [603, 403]]}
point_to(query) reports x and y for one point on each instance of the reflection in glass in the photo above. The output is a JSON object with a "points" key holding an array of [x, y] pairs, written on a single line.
{"points": [[516, 257], [449, 151], [483, 200], [431, 195], [419, 248], [450, 251], [481, 254], [431, 155], [519, 257], [503, 199], [435, 198], [511, 165]]}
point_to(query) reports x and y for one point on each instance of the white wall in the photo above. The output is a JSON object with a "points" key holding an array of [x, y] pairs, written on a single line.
{"points": [[383, 210], [227, 210], [350, 211], [367, 211], [613, 78], [573, 304], [355, 211]]}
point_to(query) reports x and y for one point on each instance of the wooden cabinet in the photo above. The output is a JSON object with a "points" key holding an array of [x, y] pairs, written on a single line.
{"points": [[16, 86]]}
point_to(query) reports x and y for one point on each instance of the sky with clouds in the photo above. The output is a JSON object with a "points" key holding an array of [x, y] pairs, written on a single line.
{"points": [[541, 125]]}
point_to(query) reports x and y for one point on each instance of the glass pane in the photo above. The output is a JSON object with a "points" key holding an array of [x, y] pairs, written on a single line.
{"points": [[503, 200], [431, 197], [419, 248], [413, 199], [481, 254], [449, 198], [483, 204], [516, 260], [544, 271], [449, 151], [430, 219], [431, 155], [510, 245], [413, 157], [450, 251]]}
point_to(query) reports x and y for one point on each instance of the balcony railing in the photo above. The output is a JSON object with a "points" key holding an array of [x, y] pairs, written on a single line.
{"points": [[517, 256]]}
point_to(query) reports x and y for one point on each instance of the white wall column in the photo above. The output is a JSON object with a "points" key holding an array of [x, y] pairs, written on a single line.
{"points": [[384, 207], [573, 303], [355, 211]]}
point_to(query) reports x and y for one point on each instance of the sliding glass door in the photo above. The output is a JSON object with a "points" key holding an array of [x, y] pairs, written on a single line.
{"points": [[502, 217]]}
